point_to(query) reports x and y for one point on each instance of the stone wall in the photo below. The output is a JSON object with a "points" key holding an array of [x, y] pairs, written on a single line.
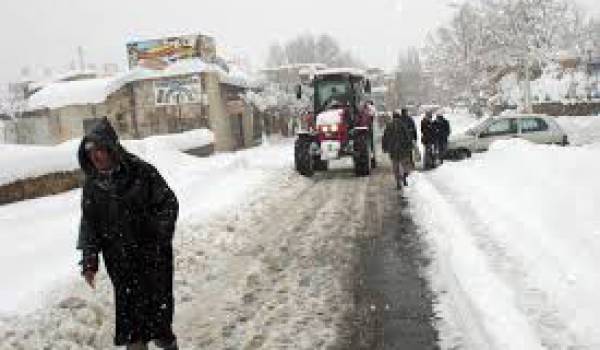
{"points": [[575, 109], [40, 186], [47, 185]]}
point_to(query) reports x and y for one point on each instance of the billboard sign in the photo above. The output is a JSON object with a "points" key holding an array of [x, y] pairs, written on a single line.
{"points": [[159, 53]]}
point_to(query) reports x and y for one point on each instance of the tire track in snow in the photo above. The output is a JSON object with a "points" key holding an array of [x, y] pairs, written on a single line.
{"points": [[531, 300], [521, 299], [293, 292]]}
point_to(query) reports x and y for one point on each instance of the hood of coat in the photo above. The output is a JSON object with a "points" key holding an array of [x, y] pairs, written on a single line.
{"points": [[101, 134]]}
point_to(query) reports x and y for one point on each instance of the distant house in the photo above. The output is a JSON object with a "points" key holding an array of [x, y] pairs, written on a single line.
{"points": [[288, 76], [156, 97]]}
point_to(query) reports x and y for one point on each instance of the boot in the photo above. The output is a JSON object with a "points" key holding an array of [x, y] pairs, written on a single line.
{"points": [[137, 346]]}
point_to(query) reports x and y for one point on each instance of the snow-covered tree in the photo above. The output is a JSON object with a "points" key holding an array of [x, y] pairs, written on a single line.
{"points": [[485, 39]]}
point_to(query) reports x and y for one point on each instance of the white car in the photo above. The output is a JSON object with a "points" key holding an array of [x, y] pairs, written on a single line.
{"points": [[536, 128]]}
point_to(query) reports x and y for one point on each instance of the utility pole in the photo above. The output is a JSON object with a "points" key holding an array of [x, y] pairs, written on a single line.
{"points": [[81, 59], [528, 108]]}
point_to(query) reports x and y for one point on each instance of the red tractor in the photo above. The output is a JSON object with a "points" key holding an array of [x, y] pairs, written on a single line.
{"points": [[340, 125]]}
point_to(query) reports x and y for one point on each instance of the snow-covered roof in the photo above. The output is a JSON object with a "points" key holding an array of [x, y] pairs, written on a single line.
{"points": [[181, 67], [235, 76], [336, 71], [94, 91], [65, 76], [379, 89], [295, 66], [71, 93]]}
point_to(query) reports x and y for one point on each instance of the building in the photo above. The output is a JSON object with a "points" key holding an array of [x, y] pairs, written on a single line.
{"points": [[288, 76], [172, 85]]}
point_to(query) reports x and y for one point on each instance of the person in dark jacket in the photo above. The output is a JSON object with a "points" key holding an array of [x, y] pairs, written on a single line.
{"points": [[428, 140], [397, 142], [128, 216], [409, 123], [410, 126], [441, 128]]}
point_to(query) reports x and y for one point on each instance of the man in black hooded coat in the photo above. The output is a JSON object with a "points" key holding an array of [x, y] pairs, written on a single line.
{"points": [[128, 215]]}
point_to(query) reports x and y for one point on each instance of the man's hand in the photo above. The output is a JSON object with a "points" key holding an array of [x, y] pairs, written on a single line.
{"points": [[90, 278]]}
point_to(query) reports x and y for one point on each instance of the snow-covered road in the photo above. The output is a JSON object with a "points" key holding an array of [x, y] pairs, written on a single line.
{"points": [[264, 259]]}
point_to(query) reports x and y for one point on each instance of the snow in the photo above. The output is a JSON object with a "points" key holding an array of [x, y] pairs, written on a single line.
{"points": [[70, 93], [582, 129], [184, 67], [94, 91], [329, 117], [203, 186], [342, 70], [553, 86], [514, 236], [25, 161]]}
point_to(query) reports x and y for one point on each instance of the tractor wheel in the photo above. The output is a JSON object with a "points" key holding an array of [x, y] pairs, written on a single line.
{"points": [[362, 156], [320, 165], [303, 159]]}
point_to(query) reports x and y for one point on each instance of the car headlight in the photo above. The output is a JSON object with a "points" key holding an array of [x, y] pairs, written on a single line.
{"points": [[334, 128]]}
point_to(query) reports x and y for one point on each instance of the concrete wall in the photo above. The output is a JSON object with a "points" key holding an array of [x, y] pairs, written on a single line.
{"points": [[8, 131], [219, 121]]}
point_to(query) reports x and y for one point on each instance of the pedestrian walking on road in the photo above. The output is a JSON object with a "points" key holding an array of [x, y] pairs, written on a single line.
{"points": [[427, 139], [398, 143], [128, 216], [409, 123], [441, 128]]}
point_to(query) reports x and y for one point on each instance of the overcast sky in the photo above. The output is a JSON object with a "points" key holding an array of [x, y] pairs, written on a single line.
{"points": [[46, 33]]}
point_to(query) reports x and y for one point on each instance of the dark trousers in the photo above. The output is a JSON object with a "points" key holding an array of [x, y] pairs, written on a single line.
{"points": [[428, 156], [441, 147]]}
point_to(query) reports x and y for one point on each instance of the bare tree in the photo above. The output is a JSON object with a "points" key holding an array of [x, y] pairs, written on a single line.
{"points": [[306, 48]]}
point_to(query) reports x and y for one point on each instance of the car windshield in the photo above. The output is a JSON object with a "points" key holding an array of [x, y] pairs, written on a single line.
{"points": [[476, 127], [331, 92]]}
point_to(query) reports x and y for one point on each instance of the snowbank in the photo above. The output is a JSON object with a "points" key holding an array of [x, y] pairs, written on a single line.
{"points": [[333, 116], [20, 162], [37, 237], [516, 237], [582, 129]]}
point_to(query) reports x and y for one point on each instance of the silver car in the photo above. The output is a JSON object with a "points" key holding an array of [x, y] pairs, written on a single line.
{"points": [[532, 127]]}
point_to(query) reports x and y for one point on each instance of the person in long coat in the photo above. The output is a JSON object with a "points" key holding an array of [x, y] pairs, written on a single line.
{"points": [[128, 216], [441, 128], [410, 126], [398, 143], [428, 140]]}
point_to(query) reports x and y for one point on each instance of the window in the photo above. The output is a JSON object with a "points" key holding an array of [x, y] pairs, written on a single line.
{"points": [[529, 125], [330, 90], [500, 127]]}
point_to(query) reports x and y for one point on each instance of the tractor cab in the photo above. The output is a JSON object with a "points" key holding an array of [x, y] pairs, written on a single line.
{"points": [[340, 125]]}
